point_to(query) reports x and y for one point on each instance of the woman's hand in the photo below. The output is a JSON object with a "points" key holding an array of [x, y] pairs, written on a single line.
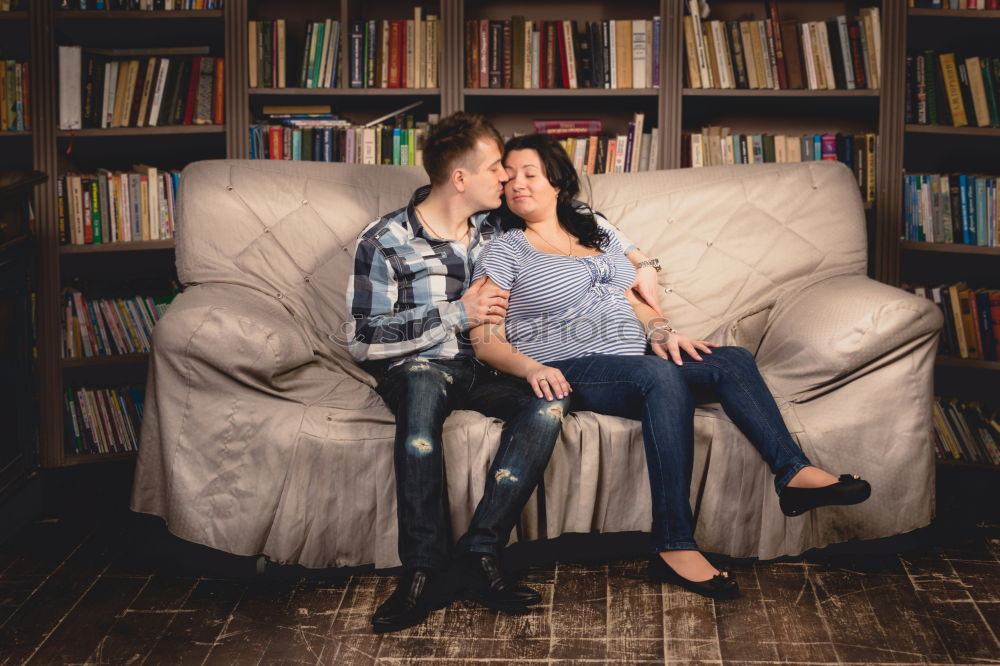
{"points": [[668, 346], [646, 287], [548, 382]]}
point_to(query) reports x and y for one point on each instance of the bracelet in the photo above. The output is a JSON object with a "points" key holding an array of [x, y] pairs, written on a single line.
{"points": [[655, 263], [663, 327]]}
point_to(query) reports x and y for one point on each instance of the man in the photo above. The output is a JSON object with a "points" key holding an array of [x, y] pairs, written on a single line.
{"points": [[412, 304]]}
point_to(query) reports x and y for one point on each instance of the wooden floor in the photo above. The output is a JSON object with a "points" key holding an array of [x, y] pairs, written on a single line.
{"points": [[121, 593]]}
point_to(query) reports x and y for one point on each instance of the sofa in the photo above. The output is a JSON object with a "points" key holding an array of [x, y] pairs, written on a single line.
{"points": [[262, 437]]}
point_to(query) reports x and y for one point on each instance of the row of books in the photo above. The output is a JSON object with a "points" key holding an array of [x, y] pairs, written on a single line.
{"points": [[103, 420], [15, 112], [397, 53], [715, 146], [964, 431], [951, 208], [115, 207], [101, 88], [320, 54], [140, 5], [108, 326], [946, 89], [955, 4], [339, 141], [971, 319], [835, 54], [522, 53], [13, 5], [592, 152]]}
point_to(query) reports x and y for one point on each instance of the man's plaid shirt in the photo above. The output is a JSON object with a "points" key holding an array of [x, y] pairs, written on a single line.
{"points": [[405, 289]]}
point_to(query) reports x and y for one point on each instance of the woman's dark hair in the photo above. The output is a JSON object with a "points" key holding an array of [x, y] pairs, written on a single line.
{"points": [[576, 219]]}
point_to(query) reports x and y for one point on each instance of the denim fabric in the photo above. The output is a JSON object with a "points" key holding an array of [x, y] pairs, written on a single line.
{"points": [[422, 393], [663, 396]]}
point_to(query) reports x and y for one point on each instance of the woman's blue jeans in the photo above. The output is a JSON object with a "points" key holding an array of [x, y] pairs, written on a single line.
{"points": [[663, 396], [422, 393]]}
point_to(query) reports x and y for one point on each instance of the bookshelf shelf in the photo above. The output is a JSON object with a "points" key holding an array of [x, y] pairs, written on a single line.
{"points": [[86, 458], [956, 13], [127, 246], [947, 129], [140, 131], [15, 133], [964, 463], [970, 363], [954, 248], [345, 92], [787, 92], [13, 16], [101, 361], [173, 14], [561, 92]]}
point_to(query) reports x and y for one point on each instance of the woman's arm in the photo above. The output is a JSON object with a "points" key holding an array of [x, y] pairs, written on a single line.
{"points": [[491, 346], [665, 341]]}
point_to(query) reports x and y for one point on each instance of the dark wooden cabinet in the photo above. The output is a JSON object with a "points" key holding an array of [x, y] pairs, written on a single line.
{"points": [[18, 394]]}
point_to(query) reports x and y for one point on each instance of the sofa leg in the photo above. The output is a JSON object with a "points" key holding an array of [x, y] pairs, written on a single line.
{"points": [[261, 564]]}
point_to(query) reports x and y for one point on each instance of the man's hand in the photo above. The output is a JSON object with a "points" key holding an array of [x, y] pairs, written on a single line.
{"points": [[647, 288], [668, 346], [485, 303]]}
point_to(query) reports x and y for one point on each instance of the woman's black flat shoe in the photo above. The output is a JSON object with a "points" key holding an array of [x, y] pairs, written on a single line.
{"points": [[851, 489], [719, 587]]}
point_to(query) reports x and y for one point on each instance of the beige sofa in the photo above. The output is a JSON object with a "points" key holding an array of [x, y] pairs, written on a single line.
{"points": [[261, 436]]}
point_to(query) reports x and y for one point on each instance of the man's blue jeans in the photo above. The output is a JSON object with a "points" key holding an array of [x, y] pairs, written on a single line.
{"points": [[422, 393], [663, 396]]}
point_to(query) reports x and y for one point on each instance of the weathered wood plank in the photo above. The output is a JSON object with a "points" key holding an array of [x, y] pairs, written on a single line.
{"points": [[84, 628], [580, 612], [140, 626], [797, 621], [635, 613], [194, 630], [28, 627], [745, 631], [300, 632]]}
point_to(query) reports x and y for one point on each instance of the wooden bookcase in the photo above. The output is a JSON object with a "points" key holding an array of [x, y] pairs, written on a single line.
{"points": [[947, 149], [670, 107]]}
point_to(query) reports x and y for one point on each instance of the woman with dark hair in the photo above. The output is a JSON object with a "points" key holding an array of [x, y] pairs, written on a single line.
{"points": [[574, 327]]}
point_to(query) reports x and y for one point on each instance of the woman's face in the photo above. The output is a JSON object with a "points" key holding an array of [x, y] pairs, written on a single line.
{"points": [[529, 193]]}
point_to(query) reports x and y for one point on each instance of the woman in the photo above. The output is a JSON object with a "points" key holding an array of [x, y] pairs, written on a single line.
{"points": [[574, 326]]}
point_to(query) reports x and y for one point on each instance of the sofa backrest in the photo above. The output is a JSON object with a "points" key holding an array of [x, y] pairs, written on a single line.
{"points": [[286, 229], [730, 238]]}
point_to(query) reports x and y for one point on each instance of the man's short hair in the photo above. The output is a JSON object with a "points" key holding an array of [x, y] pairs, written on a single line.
{"points": [[452, 139]]}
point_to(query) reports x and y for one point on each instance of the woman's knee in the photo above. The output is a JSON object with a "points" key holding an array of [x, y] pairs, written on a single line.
{"points": [[734, 355]]}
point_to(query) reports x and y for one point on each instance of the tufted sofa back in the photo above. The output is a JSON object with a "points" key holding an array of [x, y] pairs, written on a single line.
{"points": [[731, 239]]}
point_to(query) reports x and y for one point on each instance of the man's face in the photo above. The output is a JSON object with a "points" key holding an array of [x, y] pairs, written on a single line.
{"points": [[484, 176]]}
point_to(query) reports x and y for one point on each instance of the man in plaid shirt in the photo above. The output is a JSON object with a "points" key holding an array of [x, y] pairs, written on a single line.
{"points": [[413, 305]]}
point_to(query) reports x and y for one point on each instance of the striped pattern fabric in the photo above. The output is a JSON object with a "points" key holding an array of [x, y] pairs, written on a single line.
{"points": [[563, 307]]}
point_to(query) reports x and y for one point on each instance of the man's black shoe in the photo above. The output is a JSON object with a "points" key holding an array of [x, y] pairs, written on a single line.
{"points": [[418, 592], [485, 584]]}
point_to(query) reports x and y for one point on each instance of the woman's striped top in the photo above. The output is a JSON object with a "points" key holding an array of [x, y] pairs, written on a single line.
{"points": [[563, 307]]}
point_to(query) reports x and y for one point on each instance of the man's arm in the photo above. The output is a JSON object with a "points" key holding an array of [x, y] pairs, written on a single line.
{"points": [[377, 331]]}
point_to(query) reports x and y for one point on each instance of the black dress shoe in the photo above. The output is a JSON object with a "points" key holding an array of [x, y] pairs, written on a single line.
{"points": [[719, 587], [485, 583], [850, 489], [418, 592]]}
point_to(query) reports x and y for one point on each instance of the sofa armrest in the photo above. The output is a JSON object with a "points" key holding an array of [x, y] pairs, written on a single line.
{"points": [[820, 335], [237, 331]]}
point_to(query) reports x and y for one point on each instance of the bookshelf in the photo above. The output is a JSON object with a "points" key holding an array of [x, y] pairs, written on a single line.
{"points": [[941, 148], [671, 107]]}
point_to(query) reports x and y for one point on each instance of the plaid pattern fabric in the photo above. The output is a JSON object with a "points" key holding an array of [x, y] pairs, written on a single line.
{"points": [[405, 290]]}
